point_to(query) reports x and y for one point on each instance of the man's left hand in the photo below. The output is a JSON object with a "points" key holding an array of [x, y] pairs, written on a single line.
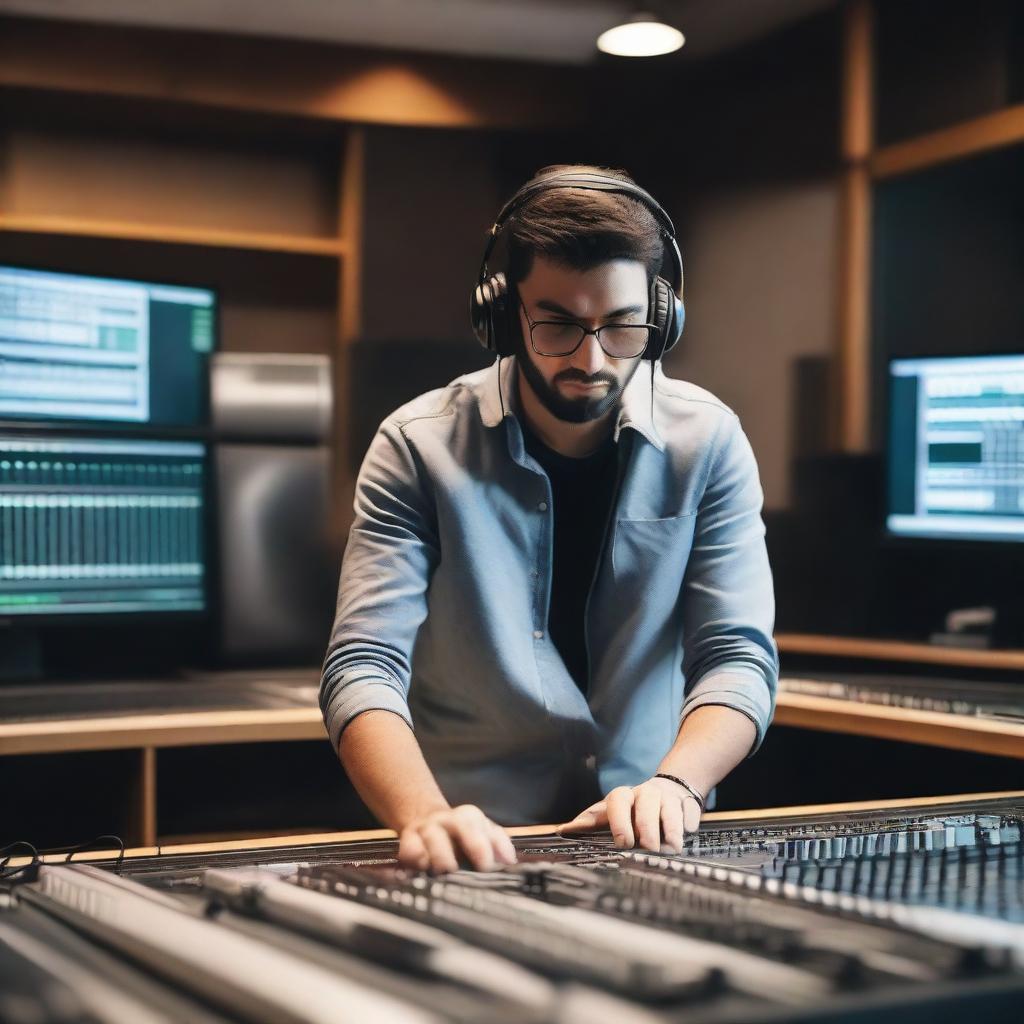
{"points": [[656, 815]]}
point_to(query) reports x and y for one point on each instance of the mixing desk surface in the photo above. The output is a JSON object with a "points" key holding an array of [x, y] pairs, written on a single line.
{"points": [[912, 913]]}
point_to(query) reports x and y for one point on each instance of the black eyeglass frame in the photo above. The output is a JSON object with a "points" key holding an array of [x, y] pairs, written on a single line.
{"points": [[596, 332]]}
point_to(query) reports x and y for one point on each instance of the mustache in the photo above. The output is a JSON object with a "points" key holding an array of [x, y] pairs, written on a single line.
{"points": [[579, 378]]}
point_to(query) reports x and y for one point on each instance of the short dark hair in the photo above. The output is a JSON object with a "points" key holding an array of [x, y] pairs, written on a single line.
{"points": [[581, 228]]}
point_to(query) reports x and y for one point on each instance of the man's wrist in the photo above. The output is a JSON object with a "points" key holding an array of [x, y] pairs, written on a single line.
{"points": [[688, 769], [686, 787]]}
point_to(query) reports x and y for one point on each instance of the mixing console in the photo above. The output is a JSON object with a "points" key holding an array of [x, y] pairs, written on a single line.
{"points": [[900, 913], [951, 696]]}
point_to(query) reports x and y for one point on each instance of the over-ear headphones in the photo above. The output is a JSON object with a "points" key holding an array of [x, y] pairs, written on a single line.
{"points": [[494, 312]]}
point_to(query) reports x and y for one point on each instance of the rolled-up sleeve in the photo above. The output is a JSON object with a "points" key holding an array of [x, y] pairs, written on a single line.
{"points": [[728, 604], [391, 554]]}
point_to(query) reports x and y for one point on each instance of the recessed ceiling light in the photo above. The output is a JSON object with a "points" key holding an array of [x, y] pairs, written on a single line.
{"points": [[643, 35]]}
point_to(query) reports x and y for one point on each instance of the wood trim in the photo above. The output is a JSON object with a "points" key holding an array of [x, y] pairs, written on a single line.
{"points": [[861, 805], [853, 294], [291, 77], [854, 297], [906, 725], [969, 138], [351, 207], [147, 795], [274, 842], [180, 729], [858, 128], [351, 227], [172, 234], [895, 650]]}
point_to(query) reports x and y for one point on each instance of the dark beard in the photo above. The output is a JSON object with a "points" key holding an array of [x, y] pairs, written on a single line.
{"points": [[583, 409]]}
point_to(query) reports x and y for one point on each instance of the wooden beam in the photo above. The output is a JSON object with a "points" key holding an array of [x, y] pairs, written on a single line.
{"points": [[351, 205], [147, 794], [290, 77], [854, 308], [969, 138], [351, 227], [857, 140], [858, 99], [893, 650], [171, 234]]}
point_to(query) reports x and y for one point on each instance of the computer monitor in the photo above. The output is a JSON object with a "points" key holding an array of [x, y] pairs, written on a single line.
{"points": [[76, 348], [91, 526], [956, 447]]}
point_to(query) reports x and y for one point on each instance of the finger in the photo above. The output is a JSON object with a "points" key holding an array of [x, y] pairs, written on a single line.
{"points": [[595, 816], [411, 851], [504, 848], [473, 835], [691, 814], [439, 849], [647, 817], [672, 825], [620, 816]]}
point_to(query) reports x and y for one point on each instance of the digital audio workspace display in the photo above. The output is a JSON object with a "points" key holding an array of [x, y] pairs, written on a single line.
{"points": [[99, 349], [956, 447], [97, 526]]}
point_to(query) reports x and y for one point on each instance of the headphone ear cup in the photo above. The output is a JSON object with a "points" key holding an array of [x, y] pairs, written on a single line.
{"points": [[488, 313], [675, 329], [667, 314], [500, 314], [659, 311]]}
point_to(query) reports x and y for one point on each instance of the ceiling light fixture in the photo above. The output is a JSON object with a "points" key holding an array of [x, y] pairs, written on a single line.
{"points": [[642, 35]]}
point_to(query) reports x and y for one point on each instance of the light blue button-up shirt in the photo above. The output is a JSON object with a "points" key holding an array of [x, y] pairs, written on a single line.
{"points": [[446, 581]]}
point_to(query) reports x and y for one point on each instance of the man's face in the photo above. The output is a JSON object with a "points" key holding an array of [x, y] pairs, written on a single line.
{"points": [[583, 386]]}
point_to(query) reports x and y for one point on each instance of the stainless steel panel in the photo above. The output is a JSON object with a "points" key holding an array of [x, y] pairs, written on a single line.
{"points": [[278, 572], [271, 395]]}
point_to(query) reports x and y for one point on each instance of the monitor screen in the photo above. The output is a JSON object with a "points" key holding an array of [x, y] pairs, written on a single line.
{"points": [[105, 526], [956, 447], [99, 349]]}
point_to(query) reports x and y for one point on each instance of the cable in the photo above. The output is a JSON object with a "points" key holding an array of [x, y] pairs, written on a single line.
{"points": [[501, 398], [658, 360], [29, 870], [37, 855], [92, 843]]}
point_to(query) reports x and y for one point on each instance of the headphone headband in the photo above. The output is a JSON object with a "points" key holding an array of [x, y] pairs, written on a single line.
{"points": [[597, 183]]}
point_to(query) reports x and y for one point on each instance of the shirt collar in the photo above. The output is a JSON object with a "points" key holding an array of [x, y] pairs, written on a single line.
{"points": [[634, 407]]}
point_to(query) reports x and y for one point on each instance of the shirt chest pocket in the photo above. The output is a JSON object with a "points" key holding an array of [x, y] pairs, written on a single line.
{"points": [[649, 557]]}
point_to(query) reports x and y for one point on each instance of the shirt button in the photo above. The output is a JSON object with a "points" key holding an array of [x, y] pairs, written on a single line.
{"points": [[543, 506], [538, 634], [590, 762]]}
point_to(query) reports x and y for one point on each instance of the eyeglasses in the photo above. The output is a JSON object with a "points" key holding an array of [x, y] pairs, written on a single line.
{"points": [[563, 337]]}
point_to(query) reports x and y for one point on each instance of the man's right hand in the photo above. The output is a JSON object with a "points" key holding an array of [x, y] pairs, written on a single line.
{"points": [[437, 841]]}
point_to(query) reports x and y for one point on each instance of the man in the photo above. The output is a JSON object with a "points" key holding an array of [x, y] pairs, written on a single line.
{"points": [[556, 593]]}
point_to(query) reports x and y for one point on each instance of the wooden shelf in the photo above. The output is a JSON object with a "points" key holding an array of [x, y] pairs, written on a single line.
{"points": [[896, 650], [906, 725], [178, 729], [170, 234], [969, 138]]}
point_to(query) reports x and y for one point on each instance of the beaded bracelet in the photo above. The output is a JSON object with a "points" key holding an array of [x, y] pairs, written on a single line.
{"points": [[689, 789]]}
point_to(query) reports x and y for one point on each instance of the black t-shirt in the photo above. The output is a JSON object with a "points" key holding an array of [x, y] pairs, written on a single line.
{"points": [[582, 492]]}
